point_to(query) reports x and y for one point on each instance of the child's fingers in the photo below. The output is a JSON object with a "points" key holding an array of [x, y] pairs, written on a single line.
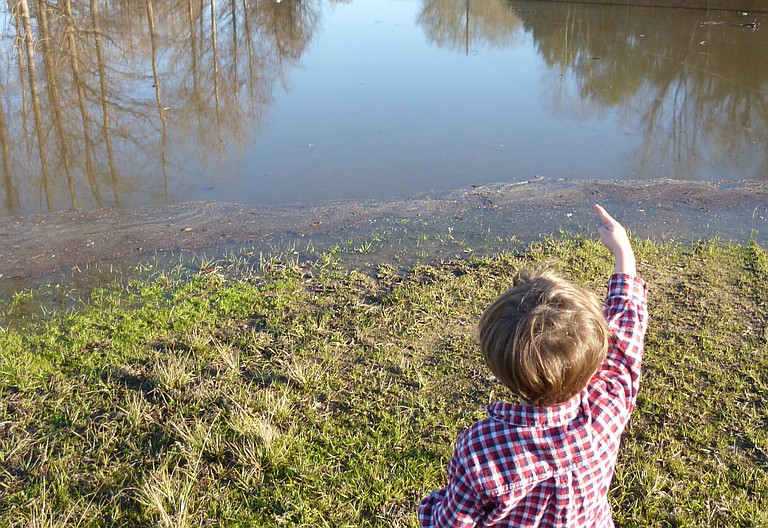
{"points": [[607, 219]]}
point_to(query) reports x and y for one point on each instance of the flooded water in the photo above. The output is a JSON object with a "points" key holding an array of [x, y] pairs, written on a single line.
{"points": [[274, 102]]}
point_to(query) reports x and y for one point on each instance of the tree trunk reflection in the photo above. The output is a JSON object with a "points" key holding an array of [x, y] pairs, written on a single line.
{"points": [[11, 194], [235, 65], [104, 98], [215, 67], [29, 46], [160, 107], [15, 9], [193, 50], [53, 96], [77, 80], [249, 46]]}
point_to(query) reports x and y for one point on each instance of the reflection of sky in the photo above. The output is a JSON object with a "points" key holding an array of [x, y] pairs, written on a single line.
{"points": [[376, 111]]}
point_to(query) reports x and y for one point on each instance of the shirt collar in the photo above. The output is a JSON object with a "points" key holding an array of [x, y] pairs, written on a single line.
{"points": [[531, 416]]}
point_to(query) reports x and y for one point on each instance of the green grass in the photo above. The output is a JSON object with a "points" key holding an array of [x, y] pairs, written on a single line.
{"points": [[293, 394]]}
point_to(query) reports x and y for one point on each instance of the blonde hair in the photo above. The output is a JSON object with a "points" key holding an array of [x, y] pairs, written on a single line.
{"points": [[544, 338]]}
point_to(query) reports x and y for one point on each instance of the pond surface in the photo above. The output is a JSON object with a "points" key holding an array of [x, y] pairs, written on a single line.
{"points": [[272, 102]]}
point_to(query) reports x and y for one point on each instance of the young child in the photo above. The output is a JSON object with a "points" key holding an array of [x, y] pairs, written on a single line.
{"points": [[548, 461]]}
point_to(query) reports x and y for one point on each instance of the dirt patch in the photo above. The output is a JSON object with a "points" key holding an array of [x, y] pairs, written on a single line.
{"points": [[37, 245]]}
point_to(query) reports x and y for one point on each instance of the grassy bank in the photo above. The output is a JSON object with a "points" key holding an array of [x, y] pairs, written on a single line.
{"points": [[309, 395]]}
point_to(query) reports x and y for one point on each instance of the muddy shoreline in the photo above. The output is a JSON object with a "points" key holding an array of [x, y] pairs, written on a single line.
{"points": [[34, 246]]}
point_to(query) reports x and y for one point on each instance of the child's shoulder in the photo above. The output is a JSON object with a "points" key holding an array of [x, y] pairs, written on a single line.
{"points": [[499, 454], [499, 426]]}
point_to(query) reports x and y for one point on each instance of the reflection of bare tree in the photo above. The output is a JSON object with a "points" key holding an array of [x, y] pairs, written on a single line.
{"points": [[454, 24], [158, 96], [95, 115], [289, 26], [104, 99], [55, 101], [11, 194], [695, 88], [29, 46], [249, 47], [15, 8], [193, 49], [74, 61], [214, 39], [235, 54]]}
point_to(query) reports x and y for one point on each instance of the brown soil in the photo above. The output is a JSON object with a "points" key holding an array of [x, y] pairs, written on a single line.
{"points": [[37, 245]]}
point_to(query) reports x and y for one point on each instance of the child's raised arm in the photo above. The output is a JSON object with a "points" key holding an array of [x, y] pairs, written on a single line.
{"points": [[614, 237]]}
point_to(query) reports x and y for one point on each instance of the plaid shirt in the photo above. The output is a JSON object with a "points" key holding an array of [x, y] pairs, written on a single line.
{"points": [[550, 466]]}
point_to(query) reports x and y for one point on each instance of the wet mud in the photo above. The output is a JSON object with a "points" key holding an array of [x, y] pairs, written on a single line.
{"points": [[37, 245]]}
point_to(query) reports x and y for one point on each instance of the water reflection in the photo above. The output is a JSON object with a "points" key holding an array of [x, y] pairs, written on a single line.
{"points": [[694, 90], [130, 103], [695, 87], [458, 24], [107, 96]]}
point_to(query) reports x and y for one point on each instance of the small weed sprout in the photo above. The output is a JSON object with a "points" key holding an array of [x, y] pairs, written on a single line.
{"points": [[277, 405], [192, 438], [231, 357], [199, 340], [242, 420], [260, 421], [174, 372], [136, 409], [248, 454], [267, 433], [306, 373], [171, 496]]}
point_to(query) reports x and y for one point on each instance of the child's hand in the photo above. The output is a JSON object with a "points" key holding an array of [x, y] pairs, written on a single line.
{"points": [[614, 237], [612, 234]]}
